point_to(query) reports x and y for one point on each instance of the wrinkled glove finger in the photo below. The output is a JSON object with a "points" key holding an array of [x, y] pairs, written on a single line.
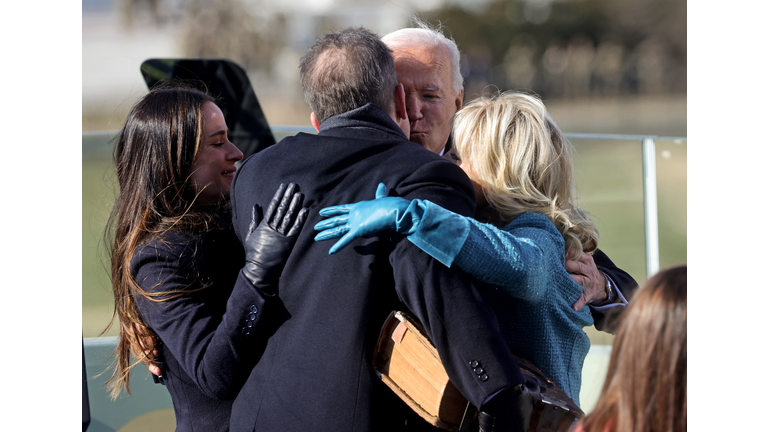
{"points": [[381, 191], [332, 233], [341, 244], [291, 213], [299, 222], [335, 210], [283, 206], [253, 223], [275, 201], [332, 222]]}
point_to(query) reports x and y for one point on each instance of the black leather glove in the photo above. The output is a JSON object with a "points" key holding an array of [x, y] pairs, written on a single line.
{"points": [[268, 245], [510, 410]]}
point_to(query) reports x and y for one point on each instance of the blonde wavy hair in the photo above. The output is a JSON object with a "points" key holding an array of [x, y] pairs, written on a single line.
{"points": [[516, 153]]}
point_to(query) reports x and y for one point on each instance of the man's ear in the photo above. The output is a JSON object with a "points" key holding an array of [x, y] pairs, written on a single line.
{"points": [[314, 121], [460, 99], [400, 109], [401, 113]]}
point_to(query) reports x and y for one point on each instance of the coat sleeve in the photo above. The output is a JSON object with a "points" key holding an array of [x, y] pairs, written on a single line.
{"points": [[215, 352], [456, 318], [514, 260], [606, 318], [511, 258]]}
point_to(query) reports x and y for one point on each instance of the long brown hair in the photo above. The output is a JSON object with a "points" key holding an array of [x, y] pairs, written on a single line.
{"points": [[646, 388], [153, 155]]}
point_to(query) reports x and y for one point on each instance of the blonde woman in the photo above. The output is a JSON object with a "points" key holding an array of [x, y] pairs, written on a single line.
{"points": [[526, 223]]}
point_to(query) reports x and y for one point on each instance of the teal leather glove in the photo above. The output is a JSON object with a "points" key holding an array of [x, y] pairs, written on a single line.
{"points": [[433, 229], [368, 218]]}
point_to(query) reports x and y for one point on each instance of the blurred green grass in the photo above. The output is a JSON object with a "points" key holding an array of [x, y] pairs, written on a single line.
{"points": [[98, 195], [609, 179]]}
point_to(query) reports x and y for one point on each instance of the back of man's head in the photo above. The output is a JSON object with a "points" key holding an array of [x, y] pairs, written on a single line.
{"points": [[345, 70], [426, 36]]}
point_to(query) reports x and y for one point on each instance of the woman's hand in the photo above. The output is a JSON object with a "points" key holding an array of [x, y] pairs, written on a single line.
{"points": [[268, 245], [150, 340], [367, 218]]}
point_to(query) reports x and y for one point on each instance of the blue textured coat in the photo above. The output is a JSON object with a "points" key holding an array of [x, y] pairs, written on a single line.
{"points": [[526, 262], [532, 293]]}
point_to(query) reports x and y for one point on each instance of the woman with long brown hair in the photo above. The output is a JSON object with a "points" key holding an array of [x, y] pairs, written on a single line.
{"points": [[184, 286], [646, 389]]}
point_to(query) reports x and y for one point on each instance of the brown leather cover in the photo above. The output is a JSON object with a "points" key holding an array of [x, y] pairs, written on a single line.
{"points": [[408, 364]]}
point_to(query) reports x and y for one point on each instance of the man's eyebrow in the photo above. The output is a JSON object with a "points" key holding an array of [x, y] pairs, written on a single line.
{"points": [[430, 87]]}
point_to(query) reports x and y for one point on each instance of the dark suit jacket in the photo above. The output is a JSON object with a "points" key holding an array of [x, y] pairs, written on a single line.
{"points": [[316, 372], [204, 350], [607, 320]]}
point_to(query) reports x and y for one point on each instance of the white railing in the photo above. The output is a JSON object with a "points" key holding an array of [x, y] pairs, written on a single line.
{"points": [[650, 200]]}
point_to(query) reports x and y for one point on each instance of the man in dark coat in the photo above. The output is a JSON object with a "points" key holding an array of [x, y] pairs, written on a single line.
{"points": [[316, 371]]}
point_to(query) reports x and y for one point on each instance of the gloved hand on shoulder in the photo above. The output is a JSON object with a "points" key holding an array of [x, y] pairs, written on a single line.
{"points": [[368, 218], [268, 245]]}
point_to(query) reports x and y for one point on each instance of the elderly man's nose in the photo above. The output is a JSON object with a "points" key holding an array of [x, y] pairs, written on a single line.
{"points": [[413, 107]]}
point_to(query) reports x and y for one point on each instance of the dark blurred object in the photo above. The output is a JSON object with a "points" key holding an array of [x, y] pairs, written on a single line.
{"points": [[226, 81], [86, 403]]}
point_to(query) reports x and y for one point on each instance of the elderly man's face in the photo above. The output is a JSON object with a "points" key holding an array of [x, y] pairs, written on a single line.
{"points": [[429, 96]]}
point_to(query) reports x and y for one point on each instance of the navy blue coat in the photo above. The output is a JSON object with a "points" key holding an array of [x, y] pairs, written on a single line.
{"points": [[316, 372], [207, 342], [607, 321]]}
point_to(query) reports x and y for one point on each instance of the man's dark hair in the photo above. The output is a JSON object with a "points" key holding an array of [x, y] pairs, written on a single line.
{"points": [[345, 70]]}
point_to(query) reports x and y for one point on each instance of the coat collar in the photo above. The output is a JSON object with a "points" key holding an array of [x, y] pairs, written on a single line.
{"points": [[367, 116]]}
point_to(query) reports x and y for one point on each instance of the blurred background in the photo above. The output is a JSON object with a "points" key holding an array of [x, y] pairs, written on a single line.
{"points": [[615, 52], [601, 67]]}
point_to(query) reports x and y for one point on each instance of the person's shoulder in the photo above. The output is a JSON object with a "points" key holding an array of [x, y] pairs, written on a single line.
{"points": [[531, 220], [419, 159], [536, 225], [411, 150], [171, 245], [432, 177], [167, 261], [273, 150]]}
